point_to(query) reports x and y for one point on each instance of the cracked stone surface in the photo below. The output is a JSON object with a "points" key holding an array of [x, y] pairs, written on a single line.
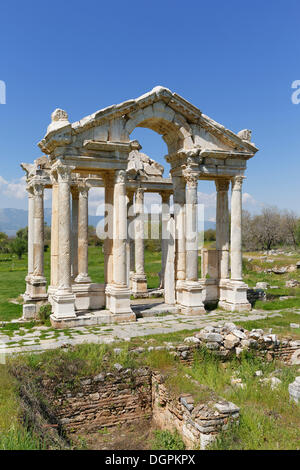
{"points": [[42, 338]]}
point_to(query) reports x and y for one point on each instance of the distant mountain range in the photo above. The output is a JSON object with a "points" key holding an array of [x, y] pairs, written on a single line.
{"points": [[11, 220]]}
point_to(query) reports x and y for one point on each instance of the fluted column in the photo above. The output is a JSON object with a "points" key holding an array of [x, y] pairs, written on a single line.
{"points": [[54, 231], [191, 224], [139, 279], [131, 231], [30, 233], [179, 215], [236, 228], [38, 231], [74, 233], [165, 217], [120, 230], [64, 216], [108, 227], [222, 227], [83, 217], [139, 232]]}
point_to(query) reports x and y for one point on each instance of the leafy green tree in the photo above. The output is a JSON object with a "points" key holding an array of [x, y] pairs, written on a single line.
{"points": [[4, 245], [22, 233], [18, 246]]}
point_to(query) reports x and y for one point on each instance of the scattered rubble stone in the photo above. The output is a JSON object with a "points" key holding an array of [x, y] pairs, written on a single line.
{"points": [[262, 285], [294, 390], [274, 382], [292, 283]]}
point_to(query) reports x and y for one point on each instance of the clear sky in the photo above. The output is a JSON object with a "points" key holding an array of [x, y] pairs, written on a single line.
{"points": [[235, 60]]}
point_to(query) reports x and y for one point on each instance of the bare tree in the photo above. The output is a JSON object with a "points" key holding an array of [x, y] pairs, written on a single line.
{"points": [[290, 222]]}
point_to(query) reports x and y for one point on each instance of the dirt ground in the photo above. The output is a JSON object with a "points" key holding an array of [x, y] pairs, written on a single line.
{"points": [[135, 436]]}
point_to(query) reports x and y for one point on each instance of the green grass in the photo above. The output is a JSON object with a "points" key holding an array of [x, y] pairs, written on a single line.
{"points": [[280, 325], [166, 440], [14, 435], [269, 420]]}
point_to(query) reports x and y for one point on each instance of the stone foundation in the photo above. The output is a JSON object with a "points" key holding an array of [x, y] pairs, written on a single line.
{"points": [[110, 399], [198, 424]]}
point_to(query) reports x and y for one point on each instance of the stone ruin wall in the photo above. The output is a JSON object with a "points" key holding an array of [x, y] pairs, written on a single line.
{"points": [[125, 396]]}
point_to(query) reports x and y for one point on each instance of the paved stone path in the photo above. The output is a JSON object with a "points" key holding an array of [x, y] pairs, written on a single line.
{"points": [[42, 338]]}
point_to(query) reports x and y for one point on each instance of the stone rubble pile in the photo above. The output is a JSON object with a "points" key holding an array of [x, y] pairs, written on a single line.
{"points": [[233, 339]]}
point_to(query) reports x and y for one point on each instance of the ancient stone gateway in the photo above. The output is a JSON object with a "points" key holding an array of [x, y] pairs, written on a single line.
{"points": [[97, 152]]}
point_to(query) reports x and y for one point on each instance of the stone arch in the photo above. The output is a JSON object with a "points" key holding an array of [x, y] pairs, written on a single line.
{"points": [[162, 119]]}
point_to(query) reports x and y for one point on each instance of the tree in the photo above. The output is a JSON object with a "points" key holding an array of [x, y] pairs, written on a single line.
{"points": [[210, 235], [18, 246], [263, 231], [4, 245], [23, 233], [290, 223]]}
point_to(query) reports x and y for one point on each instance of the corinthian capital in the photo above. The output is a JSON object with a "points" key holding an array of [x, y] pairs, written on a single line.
{"points": [[63, 171], [222, 184], [191, 177], [120, 177], [83, 189], [237, 182]]}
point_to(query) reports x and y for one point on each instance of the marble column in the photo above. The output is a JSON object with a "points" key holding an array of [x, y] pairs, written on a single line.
{"points": [[108, 227], [120, 230], [236, 228], [189, 294], [131, 232], [83, 219], [179, 215], [64, 230], [63, 300], [54, 233], [118, 292], [191, 224], [139, 280], [38, 231], [74, 234], [222, 227], [165, 217], [30, 237]]}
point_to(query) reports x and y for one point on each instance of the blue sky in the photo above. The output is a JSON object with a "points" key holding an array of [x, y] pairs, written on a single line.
{"points": [[235, 60]]}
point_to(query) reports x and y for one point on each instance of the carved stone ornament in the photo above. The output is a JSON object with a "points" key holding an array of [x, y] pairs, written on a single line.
{"points": [[237, 183], [120, 177], [222, 185], [191, 177]]}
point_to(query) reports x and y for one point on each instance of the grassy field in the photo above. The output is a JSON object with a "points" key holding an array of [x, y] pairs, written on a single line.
{"points": [[13, 272]]}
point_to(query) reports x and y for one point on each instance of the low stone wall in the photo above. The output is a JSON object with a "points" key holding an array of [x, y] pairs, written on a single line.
{"points": [[198, 424], [104, 400], [109, 399], [230, 340]]}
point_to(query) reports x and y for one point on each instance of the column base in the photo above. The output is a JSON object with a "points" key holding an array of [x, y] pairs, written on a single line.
{"points": [[83, 278], [89, 296], [63, 305], [233, 296], [189, 297], [138, 283], [35, 288], [118, 302]]}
